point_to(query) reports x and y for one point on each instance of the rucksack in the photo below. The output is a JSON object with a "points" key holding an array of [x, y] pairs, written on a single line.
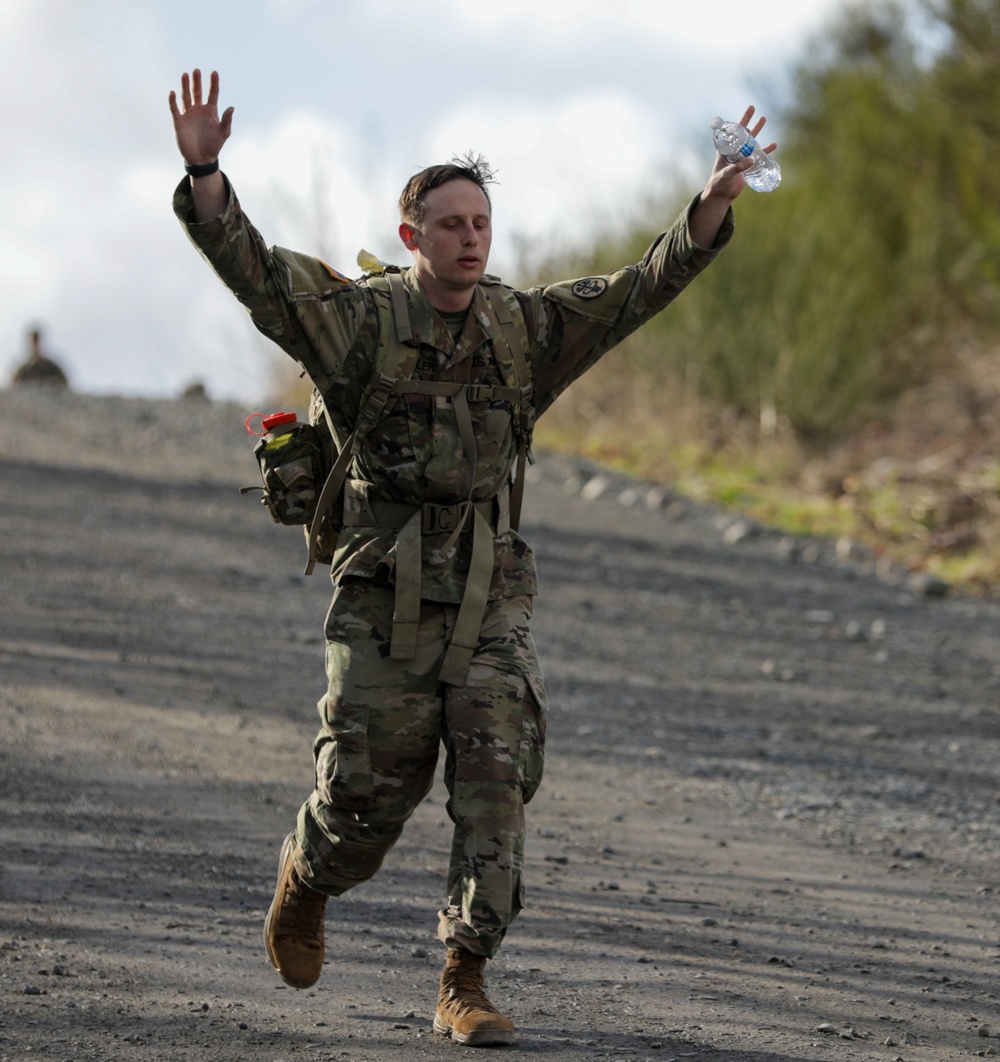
{"points": [[303, 479]]}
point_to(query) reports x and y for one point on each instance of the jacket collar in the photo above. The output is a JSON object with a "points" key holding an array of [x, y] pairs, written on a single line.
{"points": [[428, 326]]}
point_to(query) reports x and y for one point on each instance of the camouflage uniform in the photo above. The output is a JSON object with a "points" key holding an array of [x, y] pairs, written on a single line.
{"points": [[383, 719]]}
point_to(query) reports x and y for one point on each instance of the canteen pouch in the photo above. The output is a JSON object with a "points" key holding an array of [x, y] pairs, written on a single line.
{"points": [[290, 458]]}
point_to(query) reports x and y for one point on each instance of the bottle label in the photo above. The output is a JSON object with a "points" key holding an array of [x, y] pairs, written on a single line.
{"points": [[748, 148], [279, 441]]}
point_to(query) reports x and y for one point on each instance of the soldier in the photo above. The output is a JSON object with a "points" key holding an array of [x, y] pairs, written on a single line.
{"points": [[37, 368], [427, 634]]}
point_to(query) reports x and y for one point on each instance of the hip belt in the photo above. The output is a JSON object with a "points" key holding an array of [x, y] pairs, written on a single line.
{"points": [[489, 519]]}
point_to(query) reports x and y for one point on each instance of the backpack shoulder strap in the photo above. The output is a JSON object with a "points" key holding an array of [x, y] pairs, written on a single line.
{"points": [[512, 334], [400, 311], [510, 342], [394, 331]]}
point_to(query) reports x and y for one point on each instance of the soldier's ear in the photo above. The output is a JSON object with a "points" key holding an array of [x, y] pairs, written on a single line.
{"points": [[408, 234]]}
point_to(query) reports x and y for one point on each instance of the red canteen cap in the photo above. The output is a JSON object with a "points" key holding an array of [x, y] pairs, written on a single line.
{"points": [[272, 420]]}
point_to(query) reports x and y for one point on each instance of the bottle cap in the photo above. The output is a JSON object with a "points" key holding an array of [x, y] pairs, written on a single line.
{"points": [[269, 421], [275, 419]]}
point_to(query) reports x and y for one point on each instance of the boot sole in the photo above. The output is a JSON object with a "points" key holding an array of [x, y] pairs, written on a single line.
{"points": [[271, 912], [476, 1038]]}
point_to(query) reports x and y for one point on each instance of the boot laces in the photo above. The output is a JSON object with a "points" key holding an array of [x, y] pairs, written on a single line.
{"points": [[467, 992], [303, 913]]}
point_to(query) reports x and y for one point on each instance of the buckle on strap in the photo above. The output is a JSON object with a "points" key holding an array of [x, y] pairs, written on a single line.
{"points": [[479, 392], [437, 518], [373, 406]]}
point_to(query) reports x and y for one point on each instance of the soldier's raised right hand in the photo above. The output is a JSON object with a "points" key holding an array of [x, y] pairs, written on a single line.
{"points": [[200, 131]]}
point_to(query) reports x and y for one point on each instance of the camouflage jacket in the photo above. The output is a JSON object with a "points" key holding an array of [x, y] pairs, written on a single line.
{"points": [[330, 325]]}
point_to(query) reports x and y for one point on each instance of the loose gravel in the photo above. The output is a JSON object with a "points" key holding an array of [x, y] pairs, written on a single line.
{"points": [[768, 831]]}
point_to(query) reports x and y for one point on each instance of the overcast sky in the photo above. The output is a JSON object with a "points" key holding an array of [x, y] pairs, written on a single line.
{"points": [[578, 105]]}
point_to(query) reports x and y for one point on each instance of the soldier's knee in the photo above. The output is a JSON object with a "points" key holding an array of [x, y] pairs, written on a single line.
{"points": [[497, 733], [378, 771]]}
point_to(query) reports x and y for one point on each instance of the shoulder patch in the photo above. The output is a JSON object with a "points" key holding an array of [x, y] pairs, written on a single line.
{"points": [[333, 272], [590, 287], [304, 277]]}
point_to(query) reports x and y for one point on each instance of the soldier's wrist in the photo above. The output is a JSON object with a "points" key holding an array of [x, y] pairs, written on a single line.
{"points": [[201, 169]]}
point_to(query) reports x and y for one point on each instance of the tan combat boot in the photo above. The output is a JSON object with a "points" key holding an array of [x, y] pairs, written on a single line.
{"points": [[293, 929], [463, 1011]]}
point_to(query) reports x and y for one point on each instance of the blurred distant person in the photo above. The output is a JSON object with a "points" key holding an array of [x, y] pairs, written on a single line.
{"points": [[427, 635], [38, 369], [195, 391]]}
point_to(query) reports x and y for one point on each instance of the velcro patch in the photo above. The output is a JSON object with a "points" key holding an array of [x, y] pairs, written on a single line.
{"points": [[333, 272], [590, 288]]}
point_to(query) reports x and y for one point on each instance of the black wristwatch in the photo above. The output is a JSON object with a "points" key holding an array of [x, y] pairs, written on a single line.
{"points": [[203, 169]]}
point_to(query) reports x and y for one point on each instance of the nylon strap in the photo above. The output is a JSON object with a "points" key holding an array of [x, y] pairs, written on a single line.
{"points": [[400, 313], [507, 337], [469, 621], [517, 486], [509, 333], [361, 511], [332, 485], [478, 392], [406, 602], [509, 348], [327, 496], [386, 368], [463, 419], [371, 409], [409, 563]]}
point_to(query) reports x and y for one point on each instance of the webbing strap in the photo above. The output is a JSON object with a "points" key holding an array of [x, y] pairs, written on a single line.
{"points": [[400, 312], [506, 335], [362, 511], [406, 603], [510, 349], [469, 621], [473, 392], [509, 334], [384, 379], [517, 487], [459, 394], [463, 419], [409, 563], [327, 496]]}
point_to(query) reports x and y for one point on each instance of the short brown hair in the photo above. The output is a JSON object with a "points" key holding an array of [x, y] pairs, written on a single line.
{"points": [[470, 167]]}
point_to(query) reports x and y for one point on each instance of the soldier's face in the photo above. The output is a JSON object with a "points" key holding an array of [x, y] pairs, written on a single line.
{"points": [[452, 245]]}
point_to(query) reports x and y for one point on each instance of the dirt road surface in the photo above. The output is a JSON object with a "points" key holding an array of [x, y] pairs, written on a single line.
{"points": [[768, 831]]}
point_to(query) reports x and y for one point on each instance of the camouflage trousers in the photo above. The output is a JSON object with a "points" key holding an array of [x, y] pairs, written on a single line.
{"points": [[383, 723]]}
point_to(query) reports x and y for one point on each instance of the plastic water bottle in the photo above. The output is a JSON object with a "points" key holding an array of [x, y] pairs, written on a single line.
{"points": [[735, 144]]}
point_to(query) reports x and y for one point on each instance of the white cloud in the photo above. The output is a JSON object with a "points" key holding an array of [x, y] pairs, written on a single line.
{"points": [[578, 104], [12, 15], [551, 12], [560, 170], [731, 26]]}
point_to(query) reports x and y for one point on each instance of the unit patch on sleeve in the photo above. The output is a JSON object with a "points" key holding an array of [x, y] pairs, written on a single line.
{"points": [[590, 288], [333, 272]]}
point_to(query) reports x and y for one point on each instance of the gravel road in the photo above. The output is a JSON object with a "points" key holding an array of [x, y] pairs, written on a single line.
{"points": [[769, 829]]}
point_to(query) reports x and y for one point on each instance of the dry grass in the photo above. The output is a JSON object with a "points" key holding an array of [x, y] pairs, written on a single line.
{"points": [[920, 485]]}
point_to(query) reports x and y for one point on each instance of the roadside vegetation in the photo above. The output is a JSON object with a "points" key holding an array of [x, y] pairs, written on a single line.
{"points": [[837, 371]]}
